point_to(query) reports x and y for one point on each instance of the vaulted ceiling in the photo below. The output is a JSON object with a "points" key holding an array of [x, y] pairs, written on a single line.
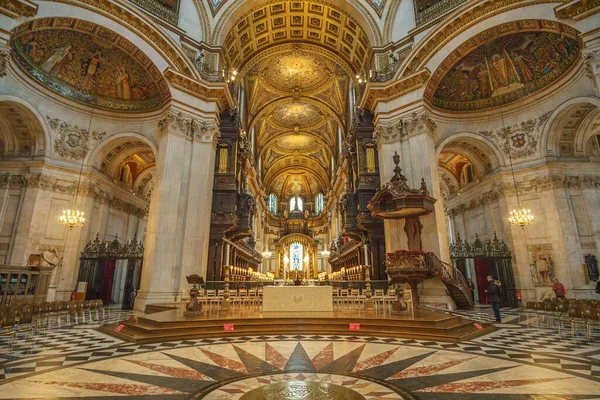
{"points": [[296, 103]]}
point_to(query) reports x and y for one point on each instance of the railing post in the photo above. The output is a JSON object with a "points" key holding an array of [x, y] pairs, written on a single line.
{"points": [[225, 303]]}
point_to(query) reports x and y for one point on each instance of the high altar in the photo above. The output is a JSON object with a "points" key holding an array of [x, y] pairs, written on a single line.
{"points": [[296, 253], [297, 298]]}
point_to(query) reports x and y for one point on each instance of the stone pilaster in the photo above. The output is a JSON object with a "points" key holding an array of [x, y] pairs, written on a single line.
{"points": [[176, 242]]}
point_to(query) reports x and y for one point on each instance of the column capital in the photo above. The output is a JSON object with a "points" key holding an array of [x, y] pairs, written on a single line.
{"points": [[191, 127], [389, 132], [418, 123]]}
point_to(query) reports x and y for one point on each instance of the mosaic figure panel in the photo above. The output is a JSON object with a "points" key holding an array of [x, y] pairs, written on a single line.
{"points": [[89, 68], [506, 69]]}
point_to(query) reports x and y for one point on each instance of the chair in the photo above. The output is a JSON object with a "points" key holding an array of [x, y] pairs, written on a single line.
{"points": [[592, 318], [24, 321], [7, 324], [72, 313]]}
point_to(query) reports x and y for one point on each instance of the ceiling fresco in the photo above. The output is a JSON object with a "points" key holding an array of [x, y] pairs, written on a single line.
{"points": [[89, 63], [484, 72], [296, 71], [296, 114]]}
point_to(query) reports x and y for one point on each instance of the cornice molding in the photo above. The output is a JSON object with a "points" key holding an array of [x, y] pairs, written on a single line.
{"points": [[87, 188], [535, 185], [376, 92], [18, 8], [219, 93], [577, 9]]}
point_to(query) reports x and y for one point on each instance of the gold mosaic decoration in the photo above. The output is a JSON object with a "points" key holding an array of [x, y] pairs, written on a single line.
{"points": [[89, 63], [297, 20], [503, 64]]}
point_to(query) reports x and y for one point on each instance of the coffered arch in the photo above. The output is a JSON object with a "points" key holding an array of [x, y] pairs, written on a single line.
{"points": [[233, 13]]}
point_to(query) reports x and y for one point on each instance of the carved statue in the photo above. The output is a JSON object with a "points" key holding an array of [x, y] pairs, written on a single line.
{"points": [[50, 258], [543, 267]]}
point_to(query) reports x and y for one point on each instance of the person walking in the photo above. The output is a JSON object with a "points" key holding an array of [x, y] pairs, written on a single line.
{"points": [[559, 289], [493, 293]]}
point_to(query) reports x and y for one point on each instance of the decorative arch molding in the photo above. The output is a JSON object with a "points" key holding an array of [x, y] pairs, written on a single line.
{"points": [[264, 146], [286, 47], [231, 14], [448, 181], [488, 147], [475, 159], [125, 20], [551, 134], [43, 137], [295, 163], [107, 144], [267, 108]]}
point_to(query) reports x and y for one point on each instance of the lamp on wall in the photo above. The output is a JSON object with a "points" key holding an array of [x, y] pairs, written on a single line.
{"points": [[519, 216], [74, 217]]}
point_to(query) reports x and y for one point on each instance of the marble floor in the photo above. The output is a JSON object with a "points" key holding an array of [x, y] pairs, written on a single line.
{"points": [[517, 361]]}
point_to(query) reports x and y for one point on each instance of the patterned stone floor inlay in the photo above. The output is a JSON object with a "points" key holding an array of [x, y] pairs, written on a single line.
{"points": [[511, 363]]}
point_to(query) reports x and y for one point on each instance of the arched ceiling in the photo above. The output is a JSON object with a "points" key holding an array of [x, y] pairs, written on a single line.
{"points": [[21, 133], [296, 102], [292, 21]]}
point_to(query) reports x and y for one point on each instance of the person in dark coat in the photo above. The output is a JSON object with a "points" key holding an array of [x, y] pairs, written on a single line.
{"points": [[493, 293], [471, 288]]}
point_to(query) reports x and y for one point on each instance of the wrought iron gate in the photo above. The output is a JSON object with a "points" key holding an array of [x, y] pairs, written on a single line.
{"points": [[97, 256], [491, 258]]}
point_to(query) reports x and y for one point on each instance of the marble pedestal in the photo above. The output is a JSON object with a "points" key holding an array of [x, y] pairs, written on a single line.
{"points": [[297, 298]]}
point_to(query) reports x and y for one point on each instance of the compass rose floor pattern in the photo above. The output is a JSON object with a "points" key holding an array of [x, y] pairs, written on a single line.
{"points": [[510, 363]]}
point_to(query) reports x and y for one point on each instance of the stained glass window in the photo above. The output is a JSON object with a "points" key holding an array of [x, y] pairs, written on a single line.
{"points": [[273, 203], [296, 256], [296, 200], [319, 203]]}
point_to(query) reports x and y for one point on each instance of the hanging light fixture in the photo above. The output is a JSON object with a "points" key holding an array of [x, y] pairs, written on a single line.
{"points": [[74, 217], [519, 216]]}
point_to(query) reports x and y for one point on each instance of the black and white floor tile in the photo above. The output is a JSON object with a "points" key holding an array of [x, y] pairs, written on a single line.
{"points": [[510, 363]]}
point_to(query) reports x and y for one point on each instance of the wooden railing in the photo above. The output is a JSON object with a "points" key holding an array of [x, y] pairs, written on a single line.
{"points": [[449, 273]]}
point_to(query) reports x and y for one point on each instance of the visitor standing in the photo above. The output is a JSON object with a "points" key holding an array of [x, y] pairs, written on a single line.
{"points": [[559, 289], [493, 293], [471, 288]]}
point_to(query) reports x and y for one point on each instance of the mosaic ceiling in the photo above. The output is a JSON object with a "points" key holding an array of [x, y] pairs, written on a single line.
{"points": [[502, 65], [89, 63]]}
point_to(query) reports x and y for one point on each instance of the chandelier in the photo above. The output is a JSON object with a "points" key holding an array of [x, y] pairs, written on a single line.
{"points": [[519, 216], [74, 217]]}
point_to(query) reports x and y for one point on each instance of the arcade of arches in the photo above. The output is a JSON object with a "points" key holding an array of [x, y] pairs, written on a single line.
{"points": [[256, 133]]}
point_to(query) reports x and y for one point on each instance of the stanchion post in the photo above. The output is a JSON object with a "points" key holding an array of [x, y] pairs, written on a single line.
{"points": [[368, 301], [225, 303]]}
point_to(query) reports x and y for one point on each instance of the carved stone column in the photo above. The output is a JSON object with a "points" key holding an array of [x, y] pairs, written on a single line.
{"points": [[176, 238]]}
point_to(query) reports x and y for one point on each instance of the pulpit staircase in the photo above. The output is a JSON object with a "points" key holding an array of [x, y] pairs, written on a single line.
{"points": [[453, 279]]}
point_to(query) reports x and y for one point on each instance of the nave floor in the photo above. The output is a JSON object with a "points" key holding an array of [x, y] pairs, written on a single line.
{"points": [[514, 362]]}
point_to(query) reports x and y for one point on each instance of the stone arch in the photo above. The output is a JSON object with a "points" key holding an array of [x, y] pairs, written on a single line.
{"points": [[23, 130], [483, 144], [568, 127], [231, 13], [130, 152]]}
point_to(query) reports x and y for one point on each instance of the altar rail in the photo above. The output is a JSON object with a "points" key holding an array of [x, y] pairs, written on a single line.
{"points": [[250, 285]]}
